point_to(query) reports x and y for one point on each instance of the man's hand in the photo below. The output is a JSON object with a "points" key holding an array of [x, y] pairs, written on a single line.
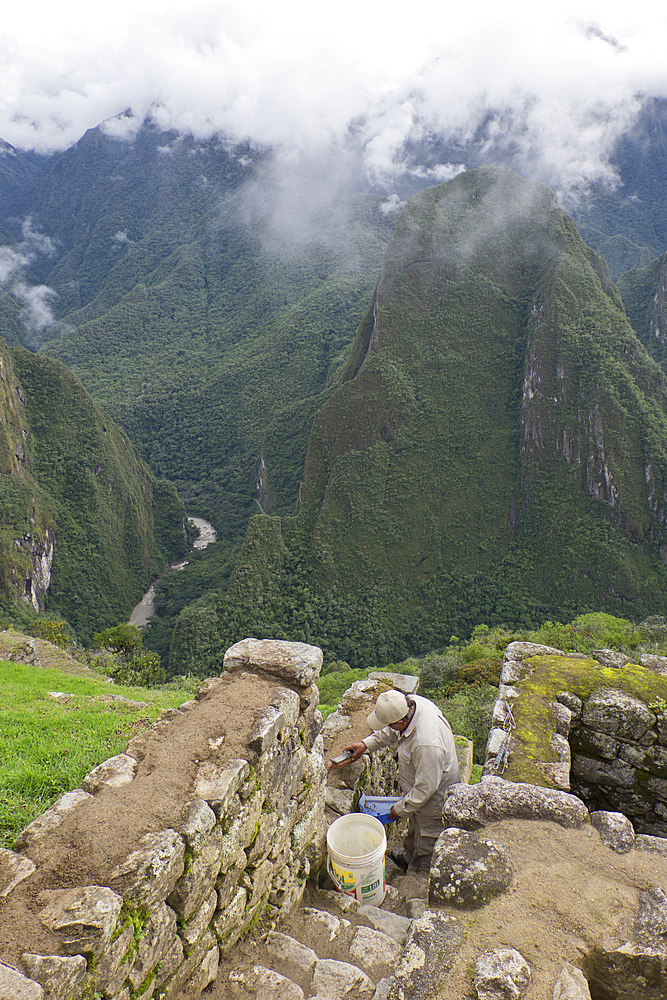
{"points": [[357, 750], [393, 814]]}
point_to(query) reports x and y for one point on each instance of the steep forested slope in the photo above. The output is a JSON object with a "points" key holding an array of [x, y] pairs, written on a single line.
{"points": [[84, 525], [644, 292], [496, 449], [204, 321]]}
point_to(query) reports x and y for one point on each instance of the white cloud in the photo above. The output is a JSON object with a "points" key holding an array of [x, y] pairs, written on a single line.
{"points": [[36, 312], [565, 76]]}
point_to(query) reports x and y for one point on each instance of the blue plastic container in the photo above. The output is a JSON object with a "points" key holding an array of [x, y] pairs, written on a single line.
{"points": [[378, 806]]}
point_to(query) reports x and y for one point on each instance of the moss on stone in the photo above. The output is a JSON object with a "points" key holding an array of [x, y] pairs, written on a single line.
{"points": [[581, 677]]}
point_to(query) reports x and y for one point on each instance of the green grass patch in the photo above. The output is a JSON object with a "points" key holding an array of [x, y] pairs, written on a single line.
{"points": [[47, 746]]}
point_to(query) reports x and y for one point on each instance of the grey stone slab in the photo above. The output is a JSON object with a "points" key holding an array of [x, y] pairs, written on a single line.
{"points": [[339, 800], [261, 983], [225, 921], [191, 931], [116, 963], [337, 979], [296, 959], [390, 923], [61, 977], [571, 985], [432, 945], [407, 683], [618, 714], [611, 658], [83, 919], [111, 773], [198, 880], [637, 967], [615, 829], [295, 663], [217, 784], [205, 973], [198, 824], [14, 868], [156, 939], [618, 775], [375, 952], [647, 842], [15, 986], [150, 872], [656, 663], [502, 974]]}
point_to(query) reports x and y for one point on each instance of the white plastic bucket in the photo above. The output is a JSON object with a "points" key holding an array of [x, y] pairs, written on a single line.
{"points": [[356, 846]]}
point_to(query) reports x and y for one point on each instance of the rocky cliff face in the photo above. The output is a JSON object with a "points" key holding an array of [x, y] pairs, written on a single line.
{"points": [[83, 523], [497, 447]]}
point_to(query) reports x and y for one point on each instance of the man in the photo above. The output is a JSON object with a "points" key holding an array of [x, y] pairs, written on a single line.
{"points": [[427, 766]]}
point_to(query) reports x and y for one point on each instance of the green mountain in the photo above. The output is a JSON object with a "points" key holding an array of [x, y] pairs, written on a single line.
{"points": [[495, 449], [644, 292], [84, 524], [207, 334]]}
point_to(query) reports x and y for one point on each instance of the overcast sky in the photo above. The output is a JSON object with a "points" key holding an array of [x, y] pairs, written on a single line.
{"points": [[297, 73]]}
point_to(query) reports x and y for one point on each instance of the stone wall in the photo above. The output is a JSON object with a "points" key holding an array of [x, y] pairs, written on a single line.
{"points": [[155, 922], [594, 725]]}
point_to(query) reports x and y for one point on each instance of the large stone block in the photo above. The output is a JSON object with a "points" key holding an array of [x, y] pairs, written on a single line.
{"points": [[60, 977], [596, 772], [200, 876], [467, 871], [618, 714], [193, 930], [571, 985], [638, 968], [228, 883], [257, 881], [338, 979], [199, 822], [470, 807], [241, 833], [295, 663], [150, 873], [262, 984], [429, 953], [615, 829], [231, 918], [116, 963], [174, 987], [83, 919]]}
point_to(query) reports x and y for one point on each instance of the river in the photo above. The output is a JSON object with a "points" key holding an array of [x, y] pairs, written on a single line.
{"points": [[145, 609]]}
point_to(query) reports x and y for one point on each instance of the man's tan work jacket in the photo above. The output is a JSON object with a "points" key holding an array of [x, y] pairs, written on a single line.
{"points": [[427, 764]]}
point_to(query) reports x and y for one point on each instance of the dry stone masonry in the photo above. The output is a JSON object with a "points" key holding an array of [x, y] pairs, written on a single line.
{"points": [[213, 901], [250, 835], [603, 736]]}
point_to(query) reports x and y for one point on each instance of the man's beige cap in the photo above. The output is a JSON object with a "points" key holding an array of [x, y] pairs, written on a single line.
{"points": [[389, 708]]}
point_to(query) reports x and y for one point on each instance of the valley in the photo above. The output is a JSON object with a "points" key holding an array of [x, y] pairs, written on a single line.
{"points": [[355, 397]]}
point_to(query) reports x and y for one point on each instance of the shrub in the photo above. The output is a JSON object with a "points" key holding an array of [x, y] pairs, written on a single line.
{"points": [[52, 630]]}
